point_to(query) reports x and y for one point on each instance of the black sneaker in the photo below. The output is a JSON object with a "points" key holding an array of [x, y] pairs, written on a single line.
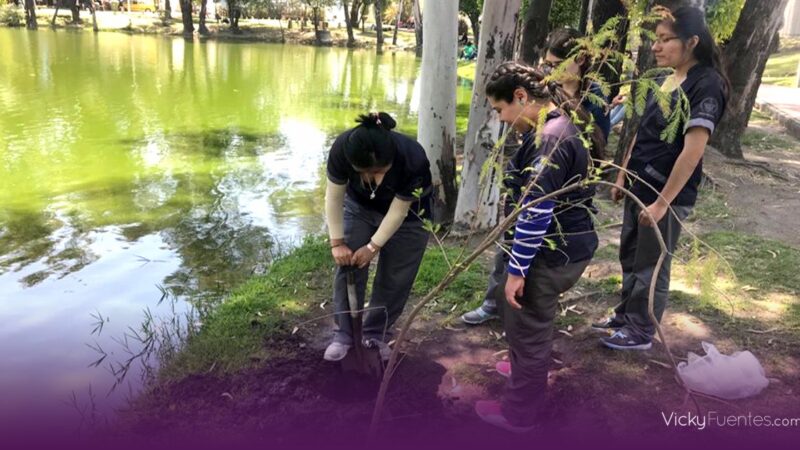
{"points": [[611, 323], [622, 340]]}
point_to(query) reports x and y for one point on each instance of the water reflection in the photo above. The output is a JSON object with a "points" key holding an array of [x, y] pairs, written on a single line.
{"points": [[131, 162]]}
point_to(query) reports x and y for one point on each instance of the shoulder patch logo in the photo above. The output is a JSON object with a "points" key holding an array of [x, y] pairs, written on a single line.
{"points": [[709, 106]]}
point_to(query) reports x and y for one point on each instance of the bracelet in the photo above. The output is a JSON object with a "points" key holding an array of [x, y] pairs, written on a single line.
{"points": [[372, 247]]}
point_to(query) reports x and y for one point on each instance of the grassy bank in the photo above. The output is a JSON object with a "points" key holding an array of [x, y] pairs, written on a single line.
{"points": [[466, 70], [297, 288]]}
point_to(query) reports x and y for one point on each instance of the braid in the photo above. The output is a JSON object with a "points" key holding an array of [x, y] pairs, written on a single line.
{"points": [[511, 75]]}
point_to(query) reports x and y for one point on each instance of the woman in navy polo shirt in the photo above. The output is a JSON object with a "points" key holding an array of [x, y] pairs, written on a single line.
{"points": [[671, 169], [537, 274], [562, 45], [379, 190]]}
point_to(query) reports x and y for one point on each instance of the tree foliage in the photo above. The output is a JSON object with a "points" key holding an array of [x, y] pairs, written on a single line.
{"points": [[722, 16]]}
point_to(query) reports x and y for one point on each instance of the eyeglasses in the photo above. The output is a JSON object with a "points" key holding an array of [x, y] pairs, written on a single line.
{"points": [[552, 64], [664, 40]]}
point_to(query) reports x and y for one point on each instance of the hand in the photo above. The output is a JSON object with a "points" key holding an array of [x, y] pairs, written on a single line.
{"points": [[342, 255], [515, 286], [616, 191], [362, 257], [657, 210], [618, 100]]}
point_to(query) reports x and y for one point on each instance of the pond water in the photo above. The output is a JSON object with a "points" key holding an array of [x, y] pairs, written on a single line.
{"points": [[131, 166]]}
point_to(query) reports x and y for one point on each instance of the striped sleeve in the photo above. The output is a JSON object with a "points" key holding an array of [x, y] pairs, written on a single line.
{"points": [[531, 227]]}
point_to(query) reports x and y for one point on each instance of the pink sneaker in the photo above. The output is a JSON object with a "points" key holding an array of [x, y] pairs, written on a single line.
{"points": [[490, 412], [503, 368]]}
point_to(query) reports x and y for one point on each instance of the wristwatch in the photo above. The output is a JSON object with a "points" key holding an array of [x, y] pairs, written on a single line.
{"points": [[372, 248]]}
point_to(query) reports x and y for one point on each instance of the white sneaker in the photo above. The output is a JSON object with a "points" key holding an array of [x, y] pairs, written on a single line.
{"points": [[336, 351]]}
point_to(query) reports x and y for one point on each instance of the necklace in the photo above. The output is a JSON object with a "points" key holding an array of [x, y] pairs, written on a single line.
{"points": [[372, 189], [372, 194]]}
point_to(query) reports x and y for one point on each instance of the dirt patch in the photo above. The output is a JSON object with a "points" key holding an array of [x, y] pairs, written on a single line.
{"points": [[763, 193], [296, 401]]}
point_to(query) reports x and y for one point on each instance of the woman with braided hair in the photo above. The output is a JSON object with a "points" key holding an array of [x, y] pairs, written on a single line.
{"points": [[527, 296], [563, 48]]}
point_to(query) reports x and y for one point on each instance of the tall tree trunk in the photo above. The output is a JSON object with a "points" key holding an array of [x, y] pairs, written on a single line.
{"points": [[534, 31], [315, 12], [234, 13], [186, 17], [478, 201], [280, 25], [74, 8], [30, 15], [746, 53], [474, 20], [348, 21], [379, 25], [437, 109], [167, 10], [94, 16], [418, 26], [602, 12], [201, 27], [584, 20], [55, 15], [355, 13], [397, 22]]}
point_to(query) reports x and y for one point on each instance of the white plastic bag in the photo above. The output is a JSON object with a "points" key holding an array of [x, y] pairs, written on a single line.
{"points": [[733, 376]]}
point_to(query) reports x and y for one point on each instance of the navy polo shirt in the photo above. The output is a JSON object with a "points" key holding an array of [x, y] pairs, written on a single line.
{"points": [[652, 158], [410, 171], [572, 228]]}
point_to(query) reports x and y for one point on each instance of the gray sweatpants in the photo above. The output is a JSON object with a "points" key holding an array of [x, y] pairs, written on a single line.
{"points": [[529, 333], [638, 253], [398, 263]]}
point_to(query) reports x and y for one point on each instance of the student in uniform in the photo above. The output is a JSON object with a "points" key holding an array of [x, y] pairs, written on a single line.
{"points": [[378, 192], [561, 46], [536, 274], [673, 169]]}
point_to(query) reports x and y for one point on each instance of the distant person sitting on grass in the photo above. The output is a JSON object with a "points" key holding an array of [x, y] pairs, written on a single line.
{"points": [[470, 52]]}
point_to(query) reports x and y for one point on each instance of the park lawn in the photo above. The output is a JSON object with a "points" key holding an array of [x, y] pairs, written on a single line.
{"points": [[297, 288]]}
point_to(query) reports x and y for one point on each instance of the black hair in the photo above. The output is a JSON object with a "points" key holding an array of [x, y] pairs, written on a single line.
{"points": [[370, 144], [688, 22], [563, 43], [510, 75]]}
